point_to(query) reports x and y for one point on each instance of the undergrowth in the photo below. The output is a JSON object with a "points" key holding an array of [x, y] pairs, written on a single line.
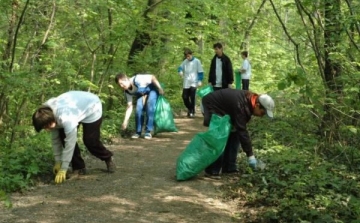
{"points": [[302, 181]]}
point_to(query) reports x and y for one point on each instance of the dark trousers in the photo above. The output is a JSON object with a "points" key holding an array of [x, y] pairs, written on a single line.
{"points": [[227, 162], [91, 139], [245, 84], [188, 96]]}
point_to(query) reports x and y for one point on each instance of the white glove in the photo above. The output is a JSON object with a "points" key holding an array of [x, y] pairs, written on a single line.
{"points": [[199, 83], [181, 74]]}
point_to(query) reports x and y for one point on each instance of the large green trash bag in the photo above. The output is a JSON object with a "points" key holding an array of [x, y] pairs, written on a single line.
{"points": [[204, 148], [205, 90], [202, 92], [163, 119], [237, 80]]}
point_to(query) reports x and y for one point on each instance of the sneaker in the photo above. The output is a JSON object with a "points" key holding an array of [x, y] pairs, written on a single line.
{"points": [[236, 171], [110, 165], [80, 171], [148, 135], [215, 176], [135, 136]]}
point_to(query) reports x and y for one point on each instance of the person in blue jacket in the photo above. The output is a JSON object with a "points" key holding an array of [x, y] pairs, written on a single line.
{"points": [[192, 73], [145, 88]]}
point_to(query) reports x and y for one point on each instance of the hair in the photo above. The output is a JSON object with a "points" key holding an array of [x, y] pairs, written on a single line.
{"points": [[187, 51], [42, 117], [120, 76], [217, 45], [245, 53]]}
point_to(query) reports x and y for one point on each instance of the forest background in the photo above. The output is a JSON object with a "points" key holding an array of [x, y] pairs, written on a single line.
{"points": [[303, 52]]}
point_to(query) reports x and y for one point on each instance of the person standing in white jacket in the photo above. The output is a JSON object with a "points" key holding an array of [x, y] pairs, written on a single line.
{"points": [[245, 71], [192, 73], [61, 116]]}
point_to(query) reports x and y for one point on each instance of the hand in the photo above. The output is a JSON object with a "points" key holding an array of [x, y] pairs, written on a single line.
{"points": [[230, 86], [199, 83], [161, 91], [252, 162], [56, 167], [124, 125], [60, 176], [181, 74]]}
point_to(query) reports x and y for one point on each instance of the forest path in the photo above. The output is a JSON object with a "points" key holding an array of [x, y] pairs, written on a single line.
{"points": [[142, 190]]}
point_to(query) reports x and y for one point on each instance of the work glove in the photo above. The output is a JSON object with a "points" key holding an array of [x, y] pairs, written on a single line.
{"points": [[60, 176], [252, 162], [56, 167]]}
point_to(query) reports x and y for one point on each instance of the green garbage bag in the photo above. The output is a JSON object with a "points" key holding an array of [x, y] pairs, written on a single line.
{"points": [[163, 119], [204, 148], [205, 90], [202, 92], [237, 80]]}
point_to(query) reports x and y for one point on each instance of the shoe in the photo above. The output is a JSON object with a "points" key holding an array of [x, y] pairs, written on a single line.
{"points": [[148, 135], [80, 171], [236, 171], [110, 165], [215, 176], [135, 136]]}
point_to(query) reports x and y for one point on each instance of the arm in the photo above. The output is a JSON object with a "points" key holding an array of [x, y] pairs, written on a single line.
{"points": [[67, 153], [231, 74], [244, 67], [157, 84], [128, 112], [245, 141], [181, 69], [56, 145]]}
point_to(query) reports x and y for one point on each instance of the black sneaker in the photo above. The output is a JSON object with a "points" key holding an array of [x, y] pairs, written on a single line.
{"points": [[110, 165], [215, 176], [80, 171], [236, 171]]}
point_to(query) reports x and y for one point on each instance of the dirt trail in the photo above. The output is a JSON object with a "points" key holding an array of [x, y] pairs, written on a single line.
{"points": [[143, 189]]}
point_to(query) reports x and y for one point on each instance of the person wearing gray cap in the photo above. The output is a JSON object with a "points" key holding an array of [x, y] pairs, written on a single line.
{"points": [[240, 105]]}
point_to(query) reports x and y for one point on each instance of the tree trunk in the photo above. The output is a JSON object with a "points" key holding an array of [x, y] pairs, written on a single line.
{"points": [[332, 70]]}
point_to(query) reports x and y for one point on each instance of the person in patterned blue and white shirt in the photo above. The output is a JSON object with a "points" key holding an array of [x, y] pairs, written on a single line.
{"points": [[146, 89], [192, 73]]}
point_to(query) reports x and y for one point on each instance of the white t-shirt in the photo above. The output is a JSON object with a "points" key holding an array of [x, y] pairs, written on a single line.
{"points": [[138, 82], [191, 69], [246, 66], [70, 109], [218, 72]]}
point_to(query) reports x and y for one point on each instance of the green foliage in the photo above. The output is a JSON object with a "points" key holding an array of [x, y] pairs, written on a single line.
{"points": [[86, 43], [27, 159], [301, 181]]}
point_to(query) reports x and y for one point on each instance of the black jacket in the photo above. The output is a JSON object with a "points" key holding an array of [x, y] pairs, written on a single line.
{"points": [[236, 104], [227, 71]]}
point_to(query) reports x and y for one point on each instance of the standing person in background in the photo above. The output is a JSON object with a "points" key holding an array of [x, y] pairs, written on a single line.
{"points": [[245, 71], [221, 73], [192, 73], [145, 88], [62, 116]]}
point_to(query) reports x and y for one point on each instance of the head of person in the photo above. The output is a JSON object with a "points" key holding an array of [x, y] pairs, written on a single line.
{"points": [[264, 105], [123, 81], [218, 49], [188, 54], [244, 54], [43, 118]]}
